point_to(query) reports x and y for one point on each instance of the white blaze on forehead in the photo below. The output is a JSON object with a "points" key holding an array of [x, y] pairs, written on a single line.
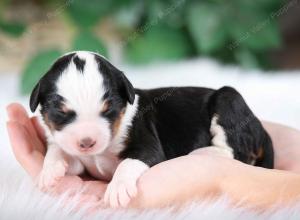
{"points": [[82, 91]]}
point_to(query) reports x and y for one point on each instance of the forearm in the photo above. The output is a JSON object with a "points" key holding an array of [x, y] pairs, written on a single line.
{"points": [[188, 178], [177, 181], [261, 188], [286, 143]]}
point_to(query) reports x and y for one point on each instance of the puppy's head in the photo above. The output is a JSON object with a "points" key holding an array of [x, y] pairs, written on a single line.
{"points": [[82, 99]]}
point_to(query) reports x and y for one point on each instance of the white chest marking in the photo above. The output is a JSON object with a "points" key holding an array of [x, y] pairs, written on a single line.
{"points": [[101, 166]]}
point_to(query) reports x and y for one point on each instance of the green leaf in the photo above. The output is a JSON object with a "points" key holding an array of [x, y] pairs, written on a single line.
{"points": [[167, 12], [246, 58], [205, 24], [13, 29], [264, 5], [36, 68], [264, 35], [157, 44], [255, 32], [129, 15], [87, 13], [87, 41]]}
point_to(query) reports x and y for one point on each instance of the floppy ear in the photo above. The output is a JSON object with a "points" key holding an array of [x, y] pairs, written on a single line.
{"points": [[35, 97], [125, 88]]}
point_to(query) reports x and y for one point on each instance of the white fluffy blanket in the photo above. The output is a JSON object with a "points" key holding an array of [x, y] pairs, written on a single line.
{"points": [[272, 96]]}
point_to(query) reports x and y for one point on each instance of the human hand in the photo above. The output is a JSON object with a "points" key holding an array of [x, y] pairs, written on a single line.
{"points": [[29, 146], [176, 181]]}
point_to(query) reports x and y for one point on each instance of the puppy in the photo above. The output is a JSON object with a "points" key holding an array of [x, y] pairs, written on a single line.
{"points": [[95, 121]]}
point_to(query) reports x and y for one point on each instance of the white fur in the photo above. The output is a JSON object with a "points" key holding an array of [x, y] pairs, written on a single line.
{"points": [[100, 166], [219, 139], [54, 167], [123, 185], [103, 165], [83, 93]]}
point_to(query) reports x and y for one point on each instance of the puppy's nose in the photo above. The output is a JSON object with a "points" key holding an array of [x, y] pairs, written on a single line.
{"points": [[87, 143]]}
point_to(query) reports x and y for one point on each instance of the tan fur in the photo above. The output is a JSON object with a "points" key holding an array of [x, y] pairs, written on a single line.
{"points": [[117, 123], [64, 108], [260, 152], [105, 106], [50, 125], [257, 155]]}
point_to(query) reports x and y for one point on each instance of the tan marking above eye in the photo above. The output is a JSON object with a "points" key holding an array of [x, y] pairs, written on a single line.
{"points": [[105, 106], [48, 122], [64, 109]]}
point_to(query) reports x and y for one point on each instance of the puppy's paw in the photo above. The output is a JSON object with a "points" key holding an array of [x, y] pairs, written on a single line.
{"points": [[119, 192], [51, 174]]}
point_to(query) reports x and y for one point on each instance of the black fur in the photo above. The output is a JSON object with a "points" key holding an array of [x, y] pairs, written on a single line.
{"points": [[115, 81], [46, 86], [52, 108], [169, 122], [244, 131], [79, 63], [172, 122], [44, 93], [119, 91]]}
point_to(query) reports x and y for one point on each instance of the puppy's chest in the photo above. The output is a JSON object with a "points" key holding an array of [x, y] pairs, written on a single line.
{"points": [[101, 166]]}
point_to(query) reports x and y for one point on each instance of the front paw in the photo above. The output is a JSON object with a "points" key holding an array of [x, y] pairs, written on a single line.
{"points": [[119, 192], [51, 174]]}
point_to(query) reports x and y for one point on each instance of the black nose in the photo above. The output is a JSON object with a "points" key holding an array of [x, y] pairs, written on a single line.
{"points": [[87, 143]]}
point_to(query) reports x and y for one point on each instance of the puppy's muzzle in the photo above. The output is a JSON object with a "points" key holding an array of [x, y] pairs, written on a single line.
{"points": [[86, 143]]}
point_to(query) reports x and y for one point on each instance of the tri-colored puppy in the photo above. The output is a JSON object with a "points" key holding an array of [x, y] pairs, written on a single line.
{"points": [[95, 121]]}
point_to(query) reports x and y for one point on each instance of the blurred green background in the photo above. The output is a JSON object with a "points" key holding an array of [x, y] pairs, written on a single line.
{"points": [[243, 32]]}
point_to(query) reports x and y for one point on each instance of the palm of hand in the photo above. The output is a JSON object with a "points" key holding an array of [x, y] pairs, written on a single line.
{"points": [[29, 146]]}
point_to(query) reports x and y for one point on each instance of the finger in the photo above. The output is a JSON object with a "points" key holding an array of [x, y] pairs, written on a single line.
{"points": [[70, 184], [107, 195], [39, 130], [17, 113], [95, 188], [30, 160]]}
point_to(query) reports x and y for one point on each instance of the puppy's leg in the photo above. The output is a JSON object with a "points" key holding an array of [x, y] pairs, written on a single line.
{"points": [[219, 139], [123, 184], [235, 129], [143, 150], [54, 167], [219, 143]]}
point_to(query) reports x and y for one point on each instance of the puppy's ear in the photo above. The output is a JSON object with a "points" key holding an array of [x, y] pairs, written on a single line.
{"points": [[35, 97], [125, 88]]}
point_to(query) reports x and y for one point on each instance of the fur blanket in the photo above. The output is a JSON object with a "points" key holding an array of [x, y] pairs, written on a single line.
{"points": [[271, 96]]}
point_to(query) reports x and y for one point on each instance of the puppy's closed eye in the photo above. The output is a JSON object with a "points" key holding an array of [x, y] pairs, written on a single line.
{"points": [[64, 111], [61, 116]]}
